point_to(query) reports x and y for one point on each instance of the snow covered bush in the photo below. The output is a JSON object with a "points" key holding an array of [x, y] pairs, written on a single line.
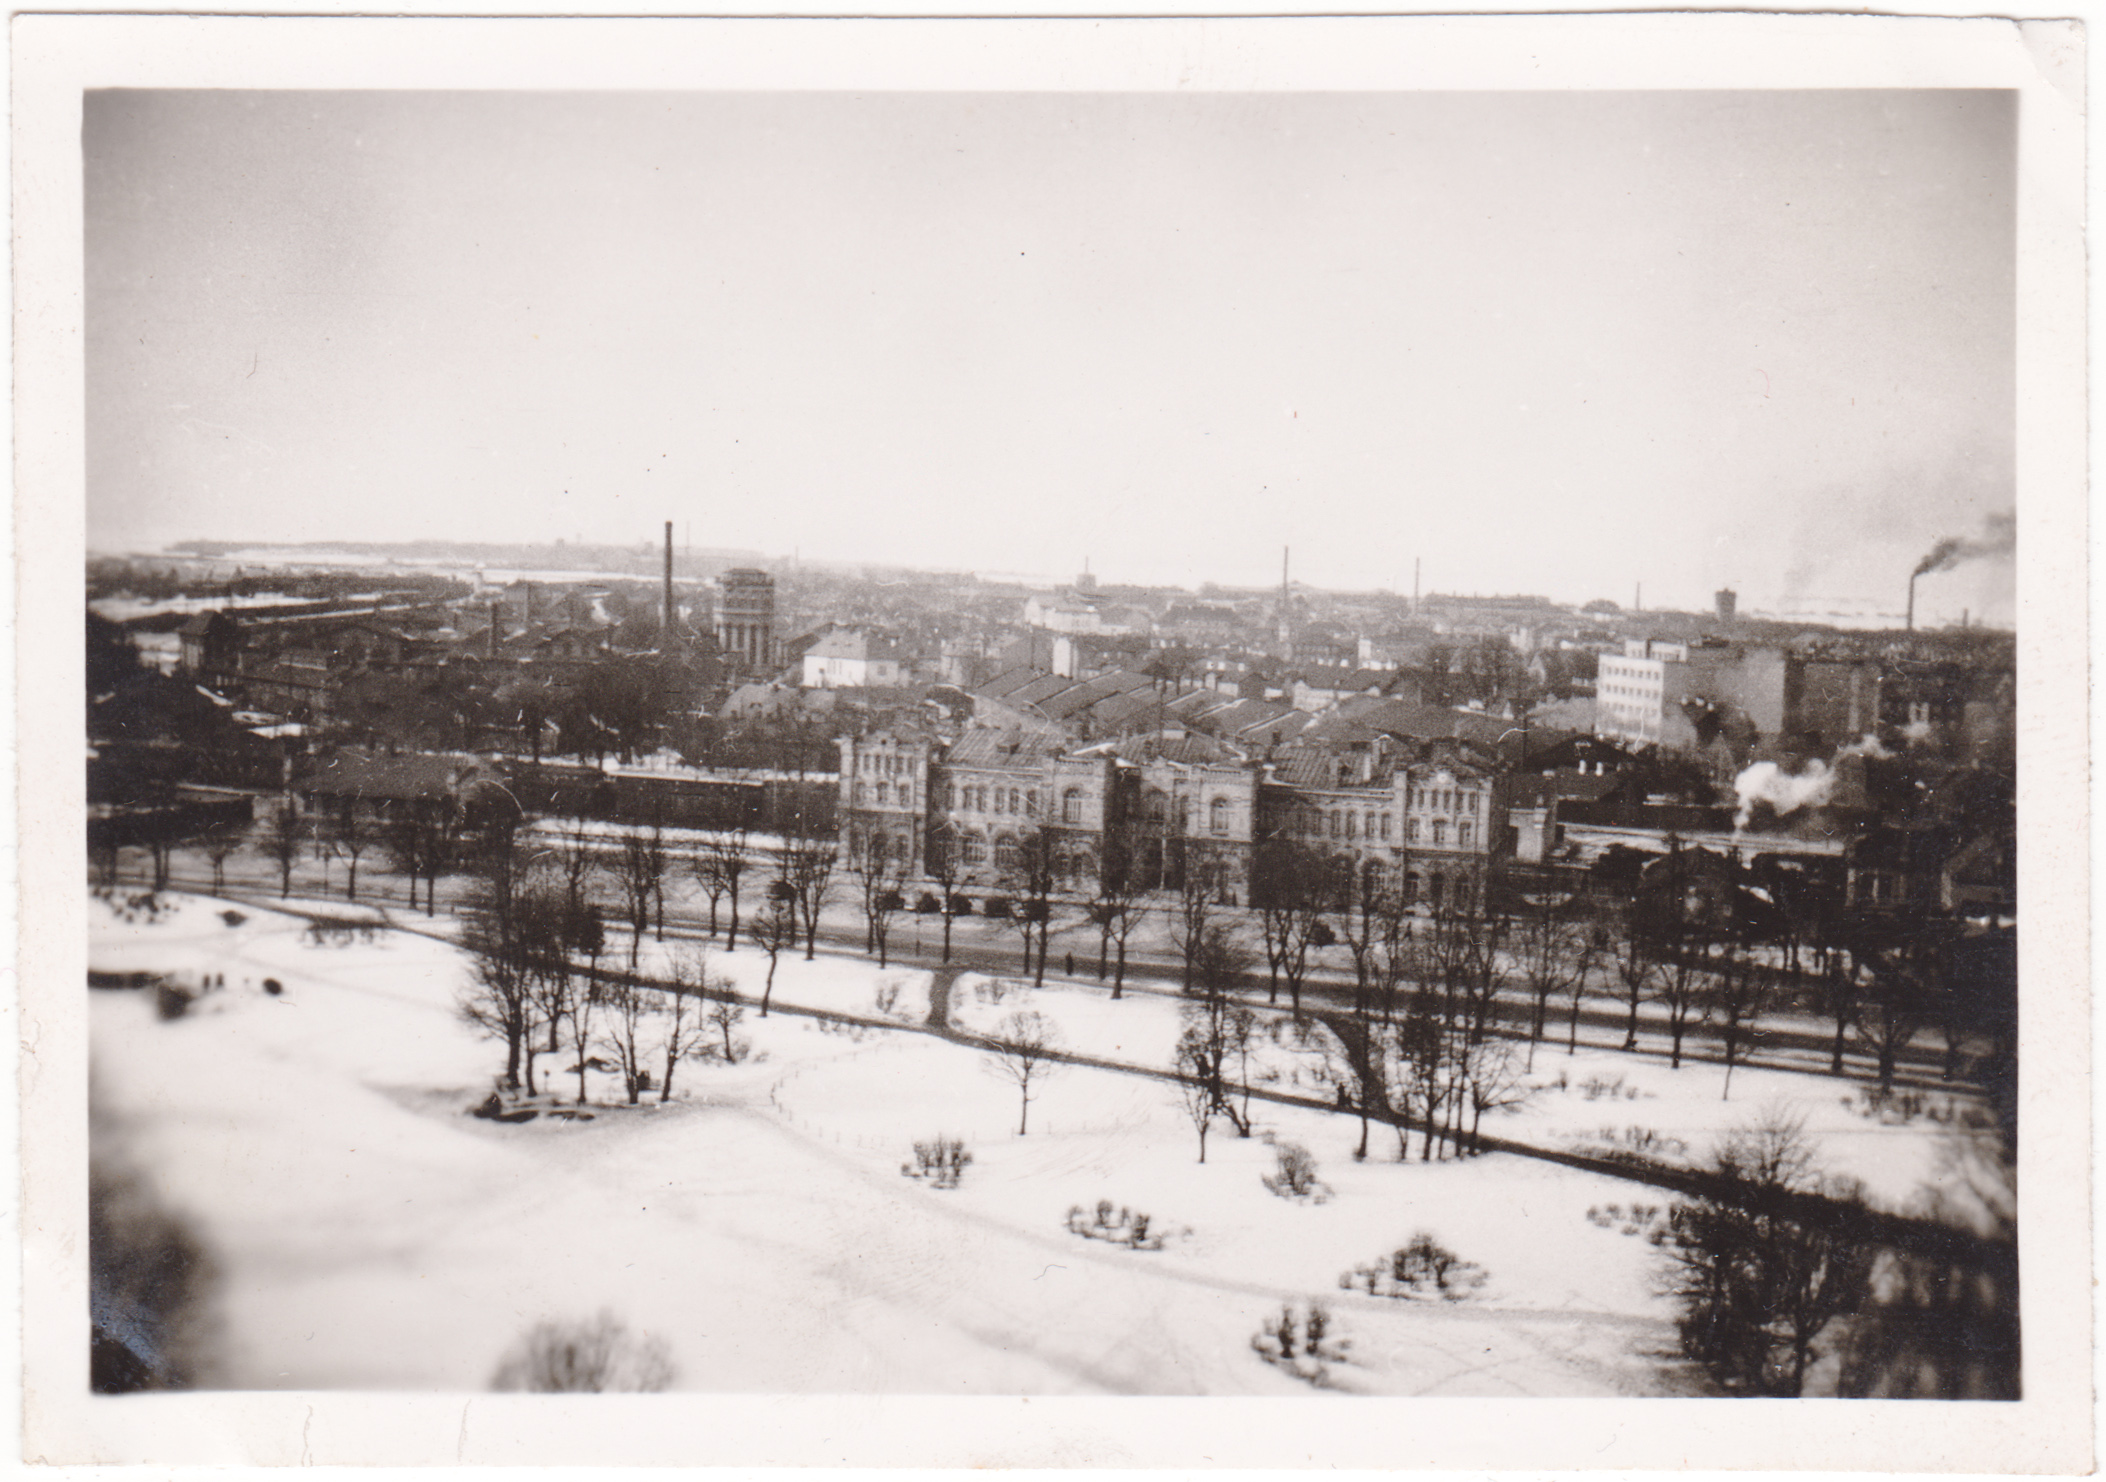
{"points": [[1294, 1175], [595, 1357], [1649, 1220], [1302, 1342], [941, 1161], [1423, 1266], [1127, 1227]]}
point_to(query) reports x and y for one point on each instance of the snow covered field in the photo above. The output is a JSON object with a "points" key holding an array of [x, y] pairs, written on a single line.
{"points": [[368, 1233]]}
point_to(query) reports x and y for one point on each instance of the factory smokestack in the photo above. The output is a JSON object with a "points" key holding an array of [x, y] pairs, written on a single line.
{"points": [[668, 576], [1911, 625]]}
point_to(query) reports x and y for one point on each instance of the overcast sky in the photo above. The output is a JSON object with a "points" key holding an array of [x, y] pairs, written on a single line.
{"points": [[1558, 342]]}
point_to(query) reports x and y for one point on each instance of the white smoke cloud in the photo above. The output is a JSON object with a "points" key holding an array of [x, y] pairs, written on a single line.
{"points": [[1766, 782], [1865, 745]]}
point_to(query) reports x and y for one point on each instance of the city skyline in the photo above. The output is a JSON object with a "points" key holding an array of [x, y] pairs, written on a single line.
{"points": [[1566, 343]]}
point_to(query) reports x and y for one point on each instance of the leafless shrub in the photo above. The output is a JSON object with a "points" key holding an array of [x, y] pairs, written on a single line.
{"points": [[585, 1357]]}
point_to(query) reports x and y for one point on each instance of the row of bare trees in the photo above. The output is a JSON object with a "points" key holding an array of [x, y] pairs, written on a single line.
{"points": [[535, 938]]}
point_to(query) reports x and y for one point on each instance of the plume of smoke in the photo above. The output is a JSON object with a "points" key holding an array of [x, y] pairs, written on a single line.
{"points": [[1766, 782], [1865, 745], [1999, 537]]}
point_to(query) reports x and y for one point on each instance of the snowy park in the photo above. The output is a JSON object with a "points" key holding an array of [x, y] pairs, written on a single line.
{"points": [[856, 1191]]}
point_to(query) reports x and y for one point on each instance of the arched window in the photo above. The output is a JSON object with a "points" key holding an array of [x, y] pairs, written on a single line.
{"points": [[1071, 805], [855, 795], [1016, 800], [1462, 834], [975, 849], [1440, 833], [1218, 816], [1385, 828], [1411, 888], [1031, 802], [1411, 831], [1005, 853], [883, 791], [1352, 825], [1332, 821], [1433, 891]]}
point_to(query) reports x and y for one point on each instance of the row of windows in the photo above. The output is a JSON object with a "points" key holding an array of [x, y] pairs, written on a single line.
{"points": [[1020, 801], [883, 795], [1446, 800], [1376, 827], [885, 764]]}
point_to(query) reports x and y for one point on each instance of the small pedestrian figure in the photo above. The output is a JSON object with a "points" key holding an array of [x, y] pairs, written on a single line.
{"points": [[1069, 969]]}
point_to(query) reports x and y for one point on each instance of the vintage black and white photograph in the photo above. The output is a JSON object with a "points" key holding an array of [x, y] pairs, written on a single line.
{"points": [[1269, 743]]}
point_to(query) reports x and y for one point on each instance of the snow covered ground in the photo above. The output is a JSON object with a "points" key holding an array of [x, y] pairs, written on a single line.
{"points": [[368, 1233]]}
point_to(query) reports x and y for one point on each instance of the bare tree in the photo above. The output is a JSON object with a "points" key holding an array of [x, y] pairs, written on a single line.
{"points": [[1495, 1080], [1115, 908], [420, 840], [683, 1016], [774, 929], [722, 1010], [1756, 1285], [1634, 952], [1742, 990], [1350, 1065], [1192, 914], [284, 838], [220, 845], [1680, 974], [1217, 1029], [638, 866], [1287, 889], [351, 835], [628, 1009], [1033, 876], [1022, 1050], [1897, 1000], [807, 872], [880, 880], [719, 868], [1551, 949], [578, 861], [583, 999], [501, 940], [944, 867]]}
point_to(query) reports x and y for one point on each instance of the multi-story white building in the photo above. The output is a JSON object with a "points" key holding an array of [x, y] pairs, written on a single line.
{"points": [[852, 658]]}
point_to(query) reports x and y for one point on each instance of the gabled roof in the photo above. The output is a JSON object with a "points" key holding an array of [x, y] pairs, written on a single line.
{"points": [[1009, 681], [985, 747]]}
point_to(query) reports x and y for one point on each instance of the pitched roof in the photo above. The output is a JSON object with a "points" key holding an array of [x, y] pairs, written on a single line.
{"points": [[984, 746]]}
